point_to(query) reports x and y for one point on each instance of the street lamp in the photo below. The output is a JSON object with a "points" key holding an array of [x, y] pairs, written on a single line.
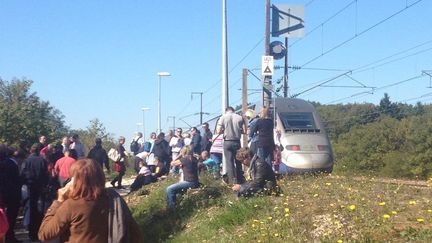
{"points": [[138, 125], [160, 74], [144, 109]]}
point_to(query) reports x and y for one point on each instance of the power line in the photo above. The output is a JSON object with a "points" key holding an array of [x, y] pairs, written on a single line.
{"points": [[359, 34], [323, 23], [376, 89]]}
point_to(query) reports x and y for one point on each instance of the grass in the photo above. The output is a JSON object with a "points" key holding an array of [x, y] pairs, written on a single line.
{"points": [[323, 208]]}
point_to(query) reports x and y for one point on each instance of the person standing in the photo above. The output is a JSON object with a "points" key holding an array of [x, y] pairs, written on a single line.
{"points": [[264, 127], [196, 141], [176, 143], [232, 126], [137, 143], [35, 174], [63, 166], [206, 140], [99, 154], [42, 143], [65, 144], [10, 188], [162, 150], [78, 146], [252, 138], [120, 164]]}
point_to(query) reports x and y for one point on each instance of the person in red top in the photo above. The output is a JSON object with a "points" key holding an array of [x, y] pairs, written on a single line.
{"points": [[63, 165]]}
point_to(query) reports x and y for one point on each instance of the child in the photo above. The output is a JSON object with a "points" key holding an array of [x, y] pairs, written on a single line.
{"points": [[144, 177], [209, 163]]}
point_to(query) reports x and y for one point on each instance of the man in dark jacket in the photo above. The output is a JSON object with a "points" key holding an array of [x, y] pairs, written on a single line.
{"points": [[263, 177], [196, 141], [99, 154], [35, 174], [162, 150], [10, 188]]}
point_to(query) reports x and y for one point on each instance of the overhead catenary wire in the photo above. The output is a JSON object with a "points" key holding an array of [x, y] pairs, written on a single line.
{"points": [[358, 34]]}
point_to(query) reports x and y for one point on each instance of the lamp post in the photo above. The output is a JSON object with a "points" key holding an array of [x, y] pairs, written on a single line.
{"points": [[138, 125], [144, 109], [160, 74]]}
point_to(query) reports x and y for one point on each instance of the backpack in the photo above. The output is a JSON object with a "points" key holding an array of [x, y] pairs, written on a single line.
{"points": [[134, 146], [147, 146]]}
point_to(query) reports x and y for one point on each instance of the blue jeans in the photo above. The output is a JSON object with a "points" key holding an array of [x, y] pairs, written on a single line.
{"points": [[233, 167], [173, 189]]}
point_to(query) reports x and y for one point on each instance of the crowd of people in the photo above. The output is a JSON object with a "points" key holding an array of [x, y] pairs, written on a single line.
{"points": [[62, 184], [62, 193]]}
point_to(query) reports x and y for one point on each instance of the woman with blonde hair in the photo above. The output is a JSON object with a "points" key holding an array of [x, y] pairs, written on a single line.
{"points": [[87, 212], [189, 165], [264, 127]]}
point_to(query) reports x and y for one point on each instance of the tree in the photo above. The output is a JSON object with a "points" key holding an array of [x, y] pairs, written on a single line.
{"points": [[24, 117], [96, 129]]}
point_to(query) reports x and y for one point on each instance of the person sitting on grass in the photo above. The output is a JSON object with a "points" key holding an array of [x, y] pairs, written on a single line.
{"points": [[144, 177], [189, 166], [210, 165], [160, 170], [261, 173]]}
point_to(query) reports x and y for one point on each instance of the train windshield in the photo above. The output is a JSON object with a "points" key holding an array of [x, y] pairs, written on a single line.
{"points": [[297, 120]]}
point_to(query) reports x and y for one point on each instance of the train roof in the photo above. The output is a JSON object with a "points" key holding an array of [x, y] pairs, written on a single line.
{"points": [[292, 105]]}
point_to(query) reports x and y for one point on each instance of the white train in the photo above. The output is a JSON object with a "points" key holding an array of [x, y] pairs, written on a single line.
{"points": [[306, 146]]}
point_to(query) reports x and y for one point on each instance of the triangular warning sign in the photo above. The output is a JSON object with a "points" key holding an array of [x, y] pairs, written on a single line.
{"points": [[267, 70]]}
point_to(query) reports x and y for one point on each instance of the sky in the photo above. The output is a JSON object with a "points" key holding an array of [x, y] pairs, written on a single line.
{"points": [[100, 59]]}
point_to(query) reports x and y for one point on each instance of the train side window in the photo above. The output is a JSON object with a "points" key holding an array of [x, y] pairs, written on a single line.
{"points": [[297, 120]]}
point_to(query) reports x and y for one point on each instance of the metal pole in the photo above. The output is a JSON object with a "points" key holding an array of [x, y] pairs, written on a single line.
{"points": [[286, 69], [201, 113], [225, 98], [244, 100], [267, 79], [144, 137], [159, 105]]}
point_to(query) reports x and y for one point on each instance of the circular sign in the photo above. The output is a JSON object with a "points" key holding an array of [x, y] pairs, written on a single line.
{"points": [[277, 50]]}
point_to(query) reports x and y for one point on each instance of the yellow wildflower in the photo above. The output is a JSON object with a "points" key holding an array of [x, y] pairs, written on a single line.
{"points": [[386, 216], [286, 210], [269, 217], [352, 207], [420, 220], [394, 212], [281, 195], [331, 205], [255, 206], [276, 235], [286, 215], [315, 195], [256, 220], [412, 202], [382, 203], [429, 210], [328, 184], [339, 241]]}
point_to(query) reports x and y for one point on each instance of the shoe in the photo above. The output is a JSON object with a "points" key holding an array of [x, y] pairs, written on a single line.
{"points": [[112, 183], [121, 187]]}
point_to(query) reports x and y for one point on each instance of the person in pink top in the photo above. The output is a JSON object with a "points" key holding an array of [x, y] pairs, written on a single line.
{"points": [[63, 165]]}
